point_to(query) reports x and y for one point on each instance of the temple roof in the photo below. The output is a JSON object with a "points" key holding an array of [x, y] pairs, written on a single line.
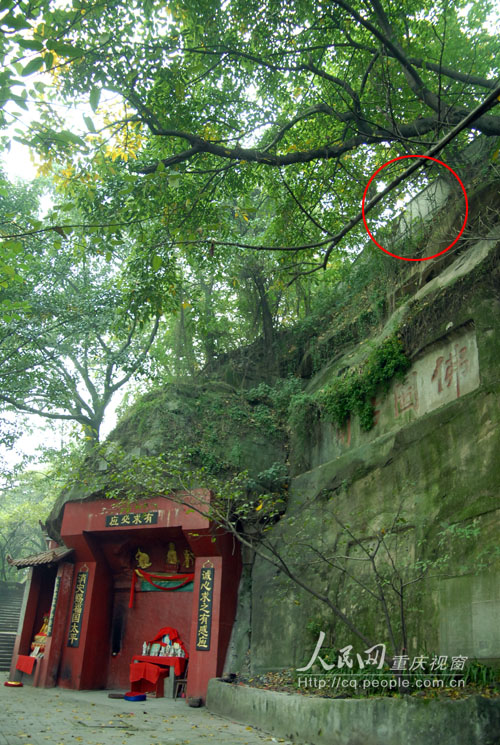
{"points": [[51, 556]]}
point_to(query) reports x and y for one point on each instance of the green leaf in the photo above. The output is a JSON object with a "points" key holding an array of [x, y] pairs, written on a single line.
{"points": [[156, 263], [13, 247], [49, 60], [33, 66], [32, 44], [17, 22], [95, 95], [65, 50], [66, 136], [90, 124], [20, 102]]}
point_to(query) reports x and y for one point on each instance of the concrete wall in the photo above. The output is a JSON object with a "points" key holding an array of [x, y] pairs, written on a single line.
{"points": [[421, 209]]}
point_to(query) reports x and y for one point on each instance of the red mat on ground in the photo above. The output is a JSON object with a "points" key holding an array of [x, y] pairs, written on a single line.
{"points": [[25, 663]]}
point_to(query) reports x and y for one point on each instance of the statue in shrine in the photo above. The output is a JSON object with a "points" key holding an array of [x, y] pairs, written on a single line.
{"points": [[172, 554], [188, 558], [142, 559], [40, 639]]}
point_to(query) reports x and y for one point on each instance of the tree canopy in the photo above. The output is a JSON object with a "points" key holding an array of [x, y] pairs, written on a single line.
{"points": [[206, 115], [204, 159], [77, 334]]}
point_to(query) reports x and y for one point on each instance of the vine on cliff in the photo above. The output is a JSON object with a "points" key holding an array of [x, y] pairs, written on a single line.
{"points": [[353, 392]]}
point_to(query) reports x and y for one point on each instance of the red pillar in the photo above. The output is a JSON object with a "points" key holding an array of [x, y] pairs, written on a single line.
{"points": [[55, 642], [206, 664]]}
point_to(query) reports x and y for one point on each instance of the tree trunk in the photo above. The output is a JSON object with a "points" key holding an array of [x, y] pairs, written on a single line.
{"points": [[266, 315]]}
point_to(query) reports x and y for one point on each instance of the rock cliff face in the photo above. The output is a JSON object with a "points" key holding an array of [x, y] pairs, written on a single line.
{"points": [[432, 458], [428, 470]]}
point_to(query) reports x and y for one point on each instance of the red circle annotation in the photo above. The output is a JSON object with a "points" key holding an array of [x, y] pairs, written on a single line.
{"points": [[403, 258]]}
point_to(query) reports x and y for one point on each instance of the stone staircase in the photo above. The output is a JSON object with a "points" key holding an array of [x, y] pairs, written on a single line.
{"points": [[11, 599]]}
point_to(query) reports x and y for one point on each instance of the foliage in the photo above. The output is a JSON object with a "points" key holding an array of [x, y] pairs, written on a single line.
{"points": [[353, 393], [281, 116], [372, 566], [78, 335], [23, 505], [243, 125], [206, 157], [304, 412], [479, 674], [377, 571], [18, 206], [450, 539], [234, 500], [278, 395]]}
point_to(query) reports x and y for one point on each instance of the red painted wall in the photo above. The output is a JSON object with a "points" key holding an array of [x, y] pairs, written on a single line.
{"points": [[151, 612]]}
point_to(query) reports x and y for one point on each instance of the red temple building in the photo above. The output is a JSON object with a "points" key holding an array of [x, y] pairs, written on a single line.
{"points": [[122, 576]]}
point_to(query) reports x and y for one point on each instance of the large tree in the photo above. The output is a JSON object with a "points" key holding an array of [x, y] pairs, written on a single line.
{"points": [[82, 328]]}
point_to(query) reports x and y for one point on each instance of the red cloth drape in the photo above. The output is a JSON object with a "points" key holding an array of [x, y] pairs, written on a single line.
{"points": [[178, 663], [144, 671], [25, 663], [185, 579], [174, 637]]}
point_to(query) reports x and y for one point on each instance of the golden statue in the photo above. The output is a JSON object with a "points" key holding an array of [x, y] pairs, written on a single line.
{"points": [[188, 558], [142, 559], [40, 639], [172, 554]]}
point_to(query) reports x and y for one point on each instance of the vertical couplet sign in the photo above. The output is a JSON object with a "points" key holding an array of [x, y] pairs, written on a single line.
{"points": [[55, 595], [205, 603], [75, 626]]}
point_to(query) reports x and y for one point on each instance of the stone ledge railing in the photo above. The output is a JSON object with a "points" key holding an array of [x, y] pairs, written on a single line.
{"points": [[311, 720]]}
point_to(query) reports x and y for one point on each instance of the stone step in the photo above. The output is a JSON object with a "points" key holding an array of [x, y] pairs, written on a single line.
{"points": [[10, 610], [6, 649], [9, 626]]}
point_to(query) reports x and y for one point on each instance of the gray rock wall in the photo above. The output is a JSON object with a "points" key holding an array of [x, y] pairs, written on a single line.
{"points": [[434, 453]]}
